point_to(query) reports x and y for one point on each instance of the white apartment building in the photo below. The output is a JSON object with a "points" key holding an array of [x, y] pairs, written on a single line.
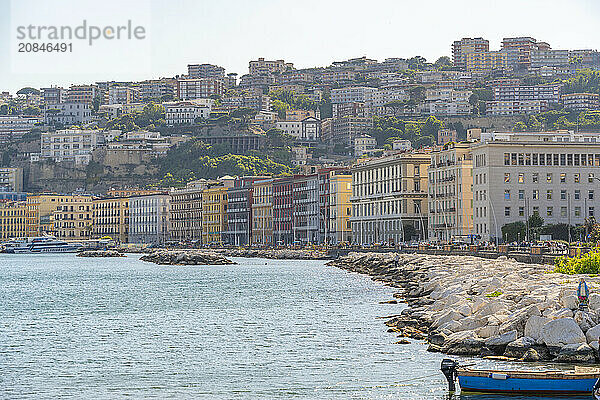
{"points": [[68, 113], [123, 95], [352, 94], [72, 144], [389, 194], [516, 107], [293, 128], [450, 193], [556, 177], [149, 219], [15, 126], [364, 144], [11, 179], [199, 88], [402, 145], [185, 112]]}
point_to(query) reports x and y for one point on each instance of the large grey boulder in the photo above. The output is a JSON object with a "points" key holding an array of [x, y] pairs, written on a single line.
{"points": [[584, 320], [593, 334], [576, 353], [517, 348], [446, 317], [594, 301], [560, 332], [533, 327], [517, 320], [570, 301], [463, 343], [502, 339]]}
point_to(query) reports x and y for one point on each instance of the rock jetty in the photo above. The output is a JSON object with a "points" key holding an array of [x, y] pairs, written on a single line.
{"points": [[278, 254], [186, 257], [100, 253], [472, 306]]}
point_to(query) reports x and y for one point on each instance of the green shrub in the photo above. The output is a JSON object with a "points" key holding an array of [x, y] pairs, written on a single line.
{"points": [[588, 263]]}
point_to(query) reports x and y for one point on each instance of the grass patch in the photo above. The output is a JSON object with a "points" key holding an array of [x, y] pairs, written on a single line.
{"points": [[495, 293]]}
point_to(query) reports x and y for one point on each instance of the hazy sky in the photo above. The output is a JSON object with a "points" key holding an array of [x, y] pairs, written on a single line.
{"points": [[307, 32]]}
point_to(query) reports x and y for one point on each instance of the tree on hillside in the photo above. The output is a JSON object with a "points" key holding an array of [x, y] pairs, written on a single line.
{"points": [[442, 62], [28, 90]]}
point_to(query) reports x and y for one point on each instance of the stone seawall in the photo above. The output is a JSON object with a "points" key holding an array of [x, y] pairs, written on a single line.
{"points": [[480, 307]]}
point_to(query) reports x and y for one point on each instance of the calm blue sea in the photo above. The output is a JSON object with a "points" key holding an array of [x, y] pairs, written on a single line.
{"points": [[263, 329]]}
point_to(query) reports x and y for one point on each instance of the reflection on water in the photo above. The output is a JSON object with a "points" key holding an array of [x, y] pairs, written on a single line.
{"points": [[262, 329]]}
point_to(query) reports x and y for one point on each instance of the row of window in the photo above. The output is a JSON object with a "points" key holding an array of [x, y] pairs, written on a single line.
{"points": [[550, 211], [535, 177], [535, 194], [571, 160]]}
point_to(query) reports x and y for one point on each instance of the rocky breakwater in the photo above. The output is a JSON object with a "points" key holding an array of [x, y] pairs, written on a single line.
{"points": [[278, 254], [498, 308], [100, 253], [186, 257]]}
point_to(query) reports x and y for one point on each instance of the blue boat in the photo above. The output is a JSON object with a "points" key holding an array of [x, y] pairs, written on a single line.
{"points": [[580, 381]]}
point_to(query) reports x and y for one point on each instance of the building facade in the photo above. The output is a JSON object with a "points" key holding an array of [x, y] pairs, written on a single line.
{"points": [[262, 213], [389, 199], [110, 218], [14, 216], [149, 219], [450, 193], [185, 212], [552, 174], [73, 218]]}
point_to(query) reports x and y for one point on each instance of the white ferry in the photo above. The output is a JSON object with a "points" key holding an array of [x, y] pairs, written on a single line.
{"points": [[42, 244]]}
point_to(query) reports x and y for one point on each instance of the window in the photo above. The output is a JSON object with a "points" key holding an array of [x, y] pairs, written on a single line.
{"points": [[535, 177], [527, 159], [507, 211], [576, 161], [535, 194], [521, 178], [536, 210], [563, 178], [591, 211], [549, 211], [577, 211], [548, 194], [563, 212], [563, 159], [521, 159], [591, 178], [542, 159], [577, 194], [591, 194], [563, 194], [521, 211], [506, 158], [521, 194], [507, 194], [535, 159], [576, 178], [548, 178], [513, 159], [570, 160], [506, 177]]}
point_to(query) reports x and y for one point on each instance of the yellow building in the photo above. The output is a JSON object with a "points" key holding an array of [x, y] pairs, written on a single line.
{"points": [[262, 212], [214, 214], [486, 61], [450, 187], [13, 219], [340, 208], [41, 212], [73, 218], [110, 217]]}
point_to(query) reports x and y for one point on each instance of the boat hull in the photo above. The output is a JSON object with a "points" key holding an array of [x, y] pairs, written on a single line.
{"points": [[514, 385]]}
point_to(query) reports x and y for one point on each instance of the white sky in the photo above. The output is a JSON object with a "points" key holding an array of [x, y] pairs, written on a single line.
{"points": [[307, 33]]}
